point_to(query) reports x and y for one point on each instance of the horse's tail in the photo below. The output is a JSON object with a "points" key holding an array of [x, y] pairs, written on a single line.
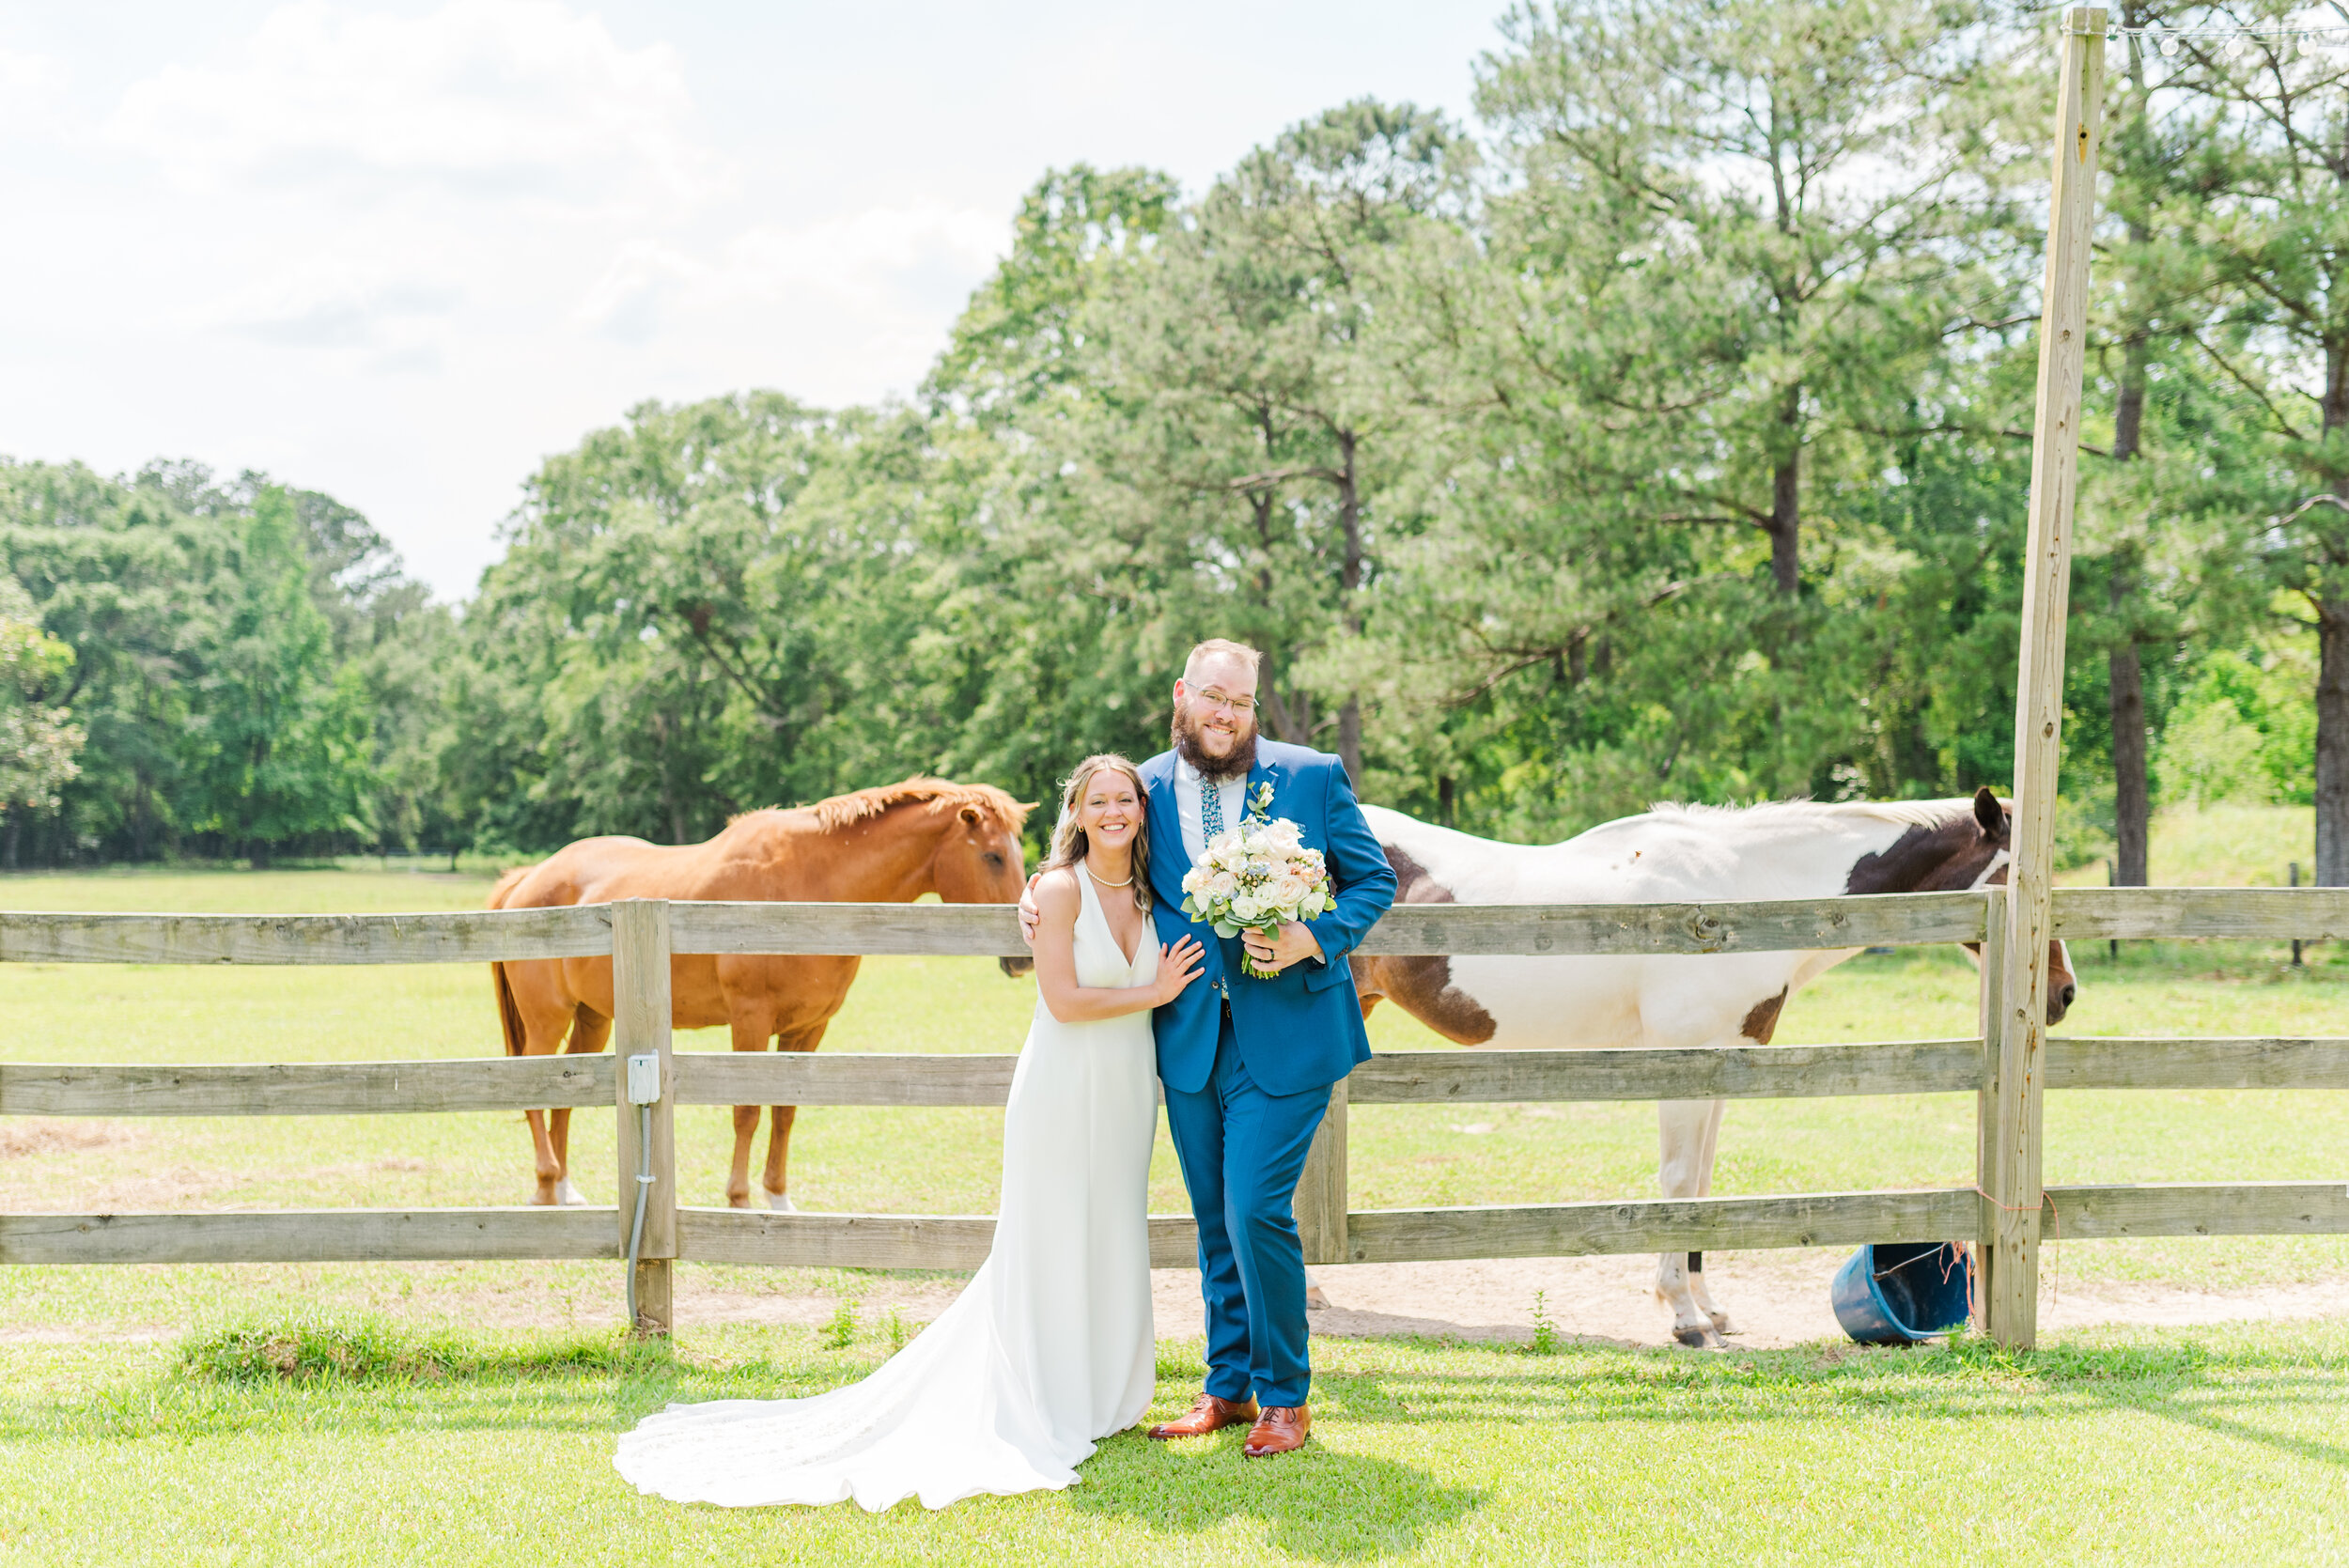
{"points": [[509, 1016]]}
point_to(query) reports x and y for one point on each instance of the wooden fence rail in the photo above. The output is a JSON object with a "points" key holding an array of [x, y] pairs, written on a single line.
{"points": [[1555, 930], [643, 935], [306, 1088], [1398, 1077], [1374, 1235]]}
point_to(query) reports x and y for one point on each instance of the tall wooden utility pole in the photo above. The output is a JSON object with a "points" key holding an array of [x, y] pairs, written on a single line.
{"points": [[2016, 1047]]}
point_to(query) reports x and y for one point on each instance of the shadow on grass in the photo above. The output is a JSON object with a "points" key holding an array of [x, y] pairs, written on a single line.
{"points": [[2202, 1416], [2223, 1404], [1323, 1504]]}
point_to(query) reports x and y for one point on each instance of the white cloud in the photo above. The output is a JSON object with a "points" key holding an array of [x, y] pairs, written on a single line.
{"points": [[326, 304], [869, 256], [32, 86], [625, 304], [884, 263], [400, 250], [496, 98]]}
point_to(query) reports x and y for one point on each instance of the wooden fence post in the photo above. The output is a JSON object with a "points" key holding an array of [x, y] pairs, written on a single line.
{"points": [[640, 992], [2010, 1283], [1988, 1132], [1320, 1206]]}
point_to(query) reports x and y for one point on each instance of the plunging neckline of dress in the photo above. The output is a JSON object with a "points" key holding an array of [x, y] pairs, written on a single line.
{"points": [[1093, 898]]}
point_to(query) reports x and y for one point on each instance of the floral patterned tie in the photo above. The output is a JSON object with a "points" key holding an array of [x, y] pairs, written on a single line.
{"points": [[1211, 810]]}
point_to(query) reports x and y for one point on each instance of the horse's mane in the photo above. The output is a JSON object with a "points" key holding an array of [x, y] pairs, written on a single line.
{"points": [[844, 811], [1913, 814]]}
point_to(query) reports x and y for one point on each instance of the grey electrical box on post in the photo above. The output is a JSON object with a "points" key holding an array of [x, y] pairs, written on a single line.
{"points": [[643, 1079]]}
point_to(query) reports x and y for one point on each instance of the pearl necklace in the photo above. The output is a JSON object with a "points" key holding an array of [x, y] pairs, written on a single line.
{"points": [[1105, 882]]}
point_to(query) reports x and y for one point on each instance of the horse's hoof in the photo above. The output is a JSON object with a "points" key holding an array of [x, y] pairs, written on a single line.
{"points": [[1314, 1300], [781, 1203], [542, 1198], [569, 1196], [1698, 1337], [741, 1202]]}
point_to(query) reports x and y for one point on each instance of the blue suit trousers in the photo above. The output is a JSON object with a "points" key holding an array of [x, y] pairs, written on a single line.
{"points": [[1242, 1151]]}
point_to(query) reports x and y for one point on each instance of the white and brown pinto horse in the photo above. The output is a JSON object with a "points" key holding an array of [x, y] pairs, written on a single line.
{"points": [[885, 846], [1674, 854]]}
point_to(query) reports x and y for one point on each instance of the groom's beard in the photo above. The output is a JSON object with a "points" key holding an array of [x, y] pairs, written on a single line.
{"points": [[1235, 765]]}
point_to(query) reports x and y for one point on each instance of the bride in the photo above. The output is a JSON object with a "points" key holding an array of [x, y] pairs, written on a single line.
{"points": [[1049, 1348]]}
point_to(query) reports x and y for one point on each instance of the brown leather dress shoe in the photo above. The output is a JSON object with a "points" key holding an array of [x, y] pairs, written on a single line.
{"points": [[1208, 1413], [1283, 1429]]}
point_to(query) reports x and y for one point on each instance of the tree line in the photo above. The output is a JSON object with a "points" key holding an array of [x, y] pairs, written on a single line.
{"points": [[1663, 434]]}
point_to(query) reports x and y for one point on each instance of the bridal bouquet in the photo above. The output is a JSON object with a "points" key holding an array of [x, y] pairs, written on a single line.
{"points": [[1255, 878]]}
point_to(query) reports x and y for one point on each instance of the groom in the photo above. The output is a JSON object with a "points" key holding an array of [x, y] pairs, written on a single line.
{"points": [[1247, 1062]]}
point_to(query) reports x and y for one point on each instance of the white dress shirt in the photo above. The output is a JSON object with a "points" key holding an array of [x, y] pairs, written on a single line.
{"points": [[1233, 794]]}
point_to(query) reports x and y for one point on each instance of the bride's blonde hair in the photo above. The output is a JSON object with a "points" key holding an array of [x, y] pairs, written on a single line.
{"points": [[1069, 840]]}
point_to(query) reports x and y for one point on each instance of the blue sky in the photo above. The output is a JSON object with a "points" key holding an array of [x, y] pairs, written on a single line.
{"points": [[401, 251]]}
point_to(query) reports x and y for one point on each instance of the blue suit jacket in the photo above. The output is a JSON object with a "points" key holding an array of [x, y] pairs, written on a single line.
{"points": [[1302, 1029]]}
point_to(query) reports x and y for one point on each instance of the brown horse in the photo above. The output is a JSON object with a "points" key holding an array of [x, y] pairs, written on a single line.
{"points": [[885, 846]]}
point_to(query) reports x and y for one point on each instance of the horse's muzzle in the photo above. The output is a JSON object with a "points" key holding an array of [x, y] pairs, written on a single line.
{"points": [[2059, 997], [1016, 967]]}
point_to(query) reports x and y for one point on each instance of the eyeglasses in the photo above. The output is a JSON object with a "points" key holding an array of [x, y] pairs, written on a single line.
{"points": [[1243, 706]]}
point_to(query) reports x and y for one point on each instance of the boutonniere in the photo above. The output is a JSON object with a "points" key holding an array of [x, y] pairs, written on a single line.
{"points": [[1259, 802]]}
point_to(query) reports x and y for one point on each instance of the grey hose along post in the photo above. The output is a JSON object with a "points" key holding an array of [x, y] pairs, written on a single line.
{"points": [[643, 1091], [648, 1130]]}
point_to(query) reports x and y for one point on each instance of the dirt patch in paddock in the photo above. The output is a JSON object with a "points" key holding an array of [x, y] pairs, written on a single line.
{"points": [[19, 1139], [1774, 1300], [185, 1189]]}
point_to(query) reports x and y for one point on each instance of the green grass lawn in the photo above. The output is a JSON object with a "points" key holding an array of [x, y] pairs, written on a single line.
{"points": [[2109, 1447], [2138, 1448]]}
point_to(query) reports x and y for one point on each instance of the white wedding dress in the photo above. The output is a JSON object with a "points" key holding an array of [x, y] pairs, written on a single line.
{"points": [[1048, 1349]]}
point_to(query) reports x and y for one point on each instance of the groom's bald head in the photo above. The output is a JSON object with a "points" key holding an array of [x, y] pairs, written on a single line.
{"points": [[1229, 658]]}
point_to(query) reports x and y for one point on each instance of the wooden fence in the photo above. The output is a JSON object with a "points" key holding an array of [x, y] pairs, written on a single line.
{"points": [[641, 934]]}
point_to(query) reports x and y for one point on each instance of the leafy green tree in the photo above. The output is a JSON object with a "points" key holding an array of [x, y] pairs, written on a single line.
{"points": [[38, 739], [282, 739], [404, 671], [1807, 178], [127, 579], [1018, 344], [719, 607], [2254, 131], [1246, 409], [1751, 283]]}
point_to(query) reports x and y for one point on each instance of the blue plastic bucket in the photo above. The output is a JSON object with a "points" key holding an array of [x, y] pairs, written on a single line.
{"points": [[1898, 1293]]}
